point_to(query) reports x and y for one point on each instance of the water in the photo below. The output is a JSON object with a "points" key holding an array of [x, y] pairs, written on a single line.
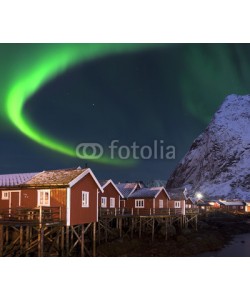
{"points": [[238, 247]]}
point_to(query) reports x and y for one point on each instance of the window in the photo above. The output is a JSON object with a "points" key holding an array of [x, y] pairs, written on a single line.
{"points": [[104, 202], [85, 199], [177, 204], [43, 198], [139, 203], [5, 195], [160, 203], [112, 202]]}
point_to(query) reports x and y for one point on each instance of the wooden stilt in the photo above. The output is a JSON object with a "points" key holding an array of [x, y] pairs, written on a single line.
{"points": [[106, 230], [166, 224], [140, 229], [120, 227], [153, 228], [132, 227], [1, 240], [21, 240], [82, 241], [99, 232], [27, 239], [71, 237], [62, 241], [94, 239], [40, 241], [7, 235], [67, 240]]}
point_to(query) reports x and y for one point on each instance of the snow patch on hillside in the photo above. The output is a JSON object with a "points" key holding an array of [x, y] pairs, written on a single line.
{"points": [[218, 162]]}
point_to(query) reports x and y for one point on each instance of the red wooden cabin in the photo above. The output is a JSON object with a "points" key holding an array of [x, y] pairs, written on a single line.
{"points": [[232, 206], [177, 201], [10, 190], [126, 190], [111, 195], [148, 199], [75, 191]]}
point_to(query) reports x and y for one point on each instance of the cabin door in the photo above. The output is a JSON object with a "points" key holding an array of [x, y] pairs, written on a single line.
{"points": [[14, 200]]}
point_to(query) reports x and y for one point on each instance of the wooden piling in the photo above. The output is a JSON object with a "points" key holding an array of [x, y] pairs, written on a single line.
{"points": [[82, 241], [1, 240], [7, 235], [153, 228], [94, 239], [106, 230], [132, 227], [62, 241], [140, 229], [99, 232], [166, 224], [120, 227], [21, 240], [40, 241], [67, 240], [71, 238], [27, 239]]}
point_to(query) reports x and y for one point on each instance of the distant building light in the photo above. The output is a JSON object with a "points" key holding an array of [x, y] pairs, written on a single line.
{"points": [[199, 196]]}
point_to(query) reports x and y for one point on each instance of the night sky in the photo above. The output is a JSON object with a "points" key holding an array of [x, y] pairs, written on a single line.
{"points": [[130, 93]]}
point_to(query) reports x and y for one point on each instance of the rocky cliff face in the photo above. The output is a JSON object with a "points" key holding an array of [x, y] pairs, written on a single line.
{"points": [[218, 162]]}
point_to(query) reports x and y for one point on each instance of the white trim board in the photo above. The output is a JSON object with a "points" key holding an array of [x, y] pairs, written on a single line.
{"points": [[68, 205], [112, 182], [82, 175]]}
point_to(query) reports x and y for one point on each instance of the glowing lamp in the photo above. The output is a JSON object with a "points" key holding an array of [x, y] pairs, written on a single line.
{"points": [[199, 196]]}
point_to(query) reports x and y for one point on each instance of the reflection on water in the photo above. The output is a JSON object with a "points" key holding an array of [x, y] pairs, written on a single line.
{"points": [[238, 247]]}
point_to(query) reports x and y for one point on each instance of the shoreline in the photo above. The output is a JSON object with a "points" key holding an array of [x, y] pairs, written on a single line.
{"points": [[213, 234]]}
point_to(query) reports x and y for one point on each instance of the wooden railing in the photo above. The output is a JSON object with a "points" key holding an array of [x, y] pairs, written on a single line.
{"points": [[139, 211], [42, 214], [192, 210]]}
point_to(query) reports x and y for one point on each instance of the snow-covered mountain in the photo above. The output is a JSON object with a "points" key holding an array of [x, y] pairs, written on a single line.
{"points": [[156, 183], [218, 162]]}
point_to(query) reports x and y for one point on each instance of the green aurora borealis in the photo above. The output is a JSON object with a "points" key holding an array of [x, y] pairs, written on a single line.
{"points": [[50, 61], [186, 87]]}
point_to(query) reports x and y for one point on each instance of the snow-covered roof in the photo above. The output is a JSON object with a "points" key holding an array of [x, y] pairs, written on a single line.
{"points": [[127, 188], [176, 194], [147, 192], [54, 177], [232, 203], [14, 180]]}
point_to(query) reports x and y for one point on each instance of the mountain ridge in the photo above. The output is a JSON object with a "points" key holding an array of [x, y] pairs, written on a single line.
{"points": [[218, 160]]}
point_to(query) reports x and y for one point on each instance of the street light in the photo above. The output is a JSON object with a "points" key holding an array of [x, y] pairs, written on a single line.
{"points": [[199, 195]]}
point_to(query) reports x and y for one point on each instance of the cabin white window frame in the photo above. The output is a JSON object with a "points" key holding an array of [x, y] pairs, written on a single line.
{"points": [[112, 202], [160, 203], [177, 204], [139, 203], [5, 195], [85, 199], [104, 202], [41, 198]]}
